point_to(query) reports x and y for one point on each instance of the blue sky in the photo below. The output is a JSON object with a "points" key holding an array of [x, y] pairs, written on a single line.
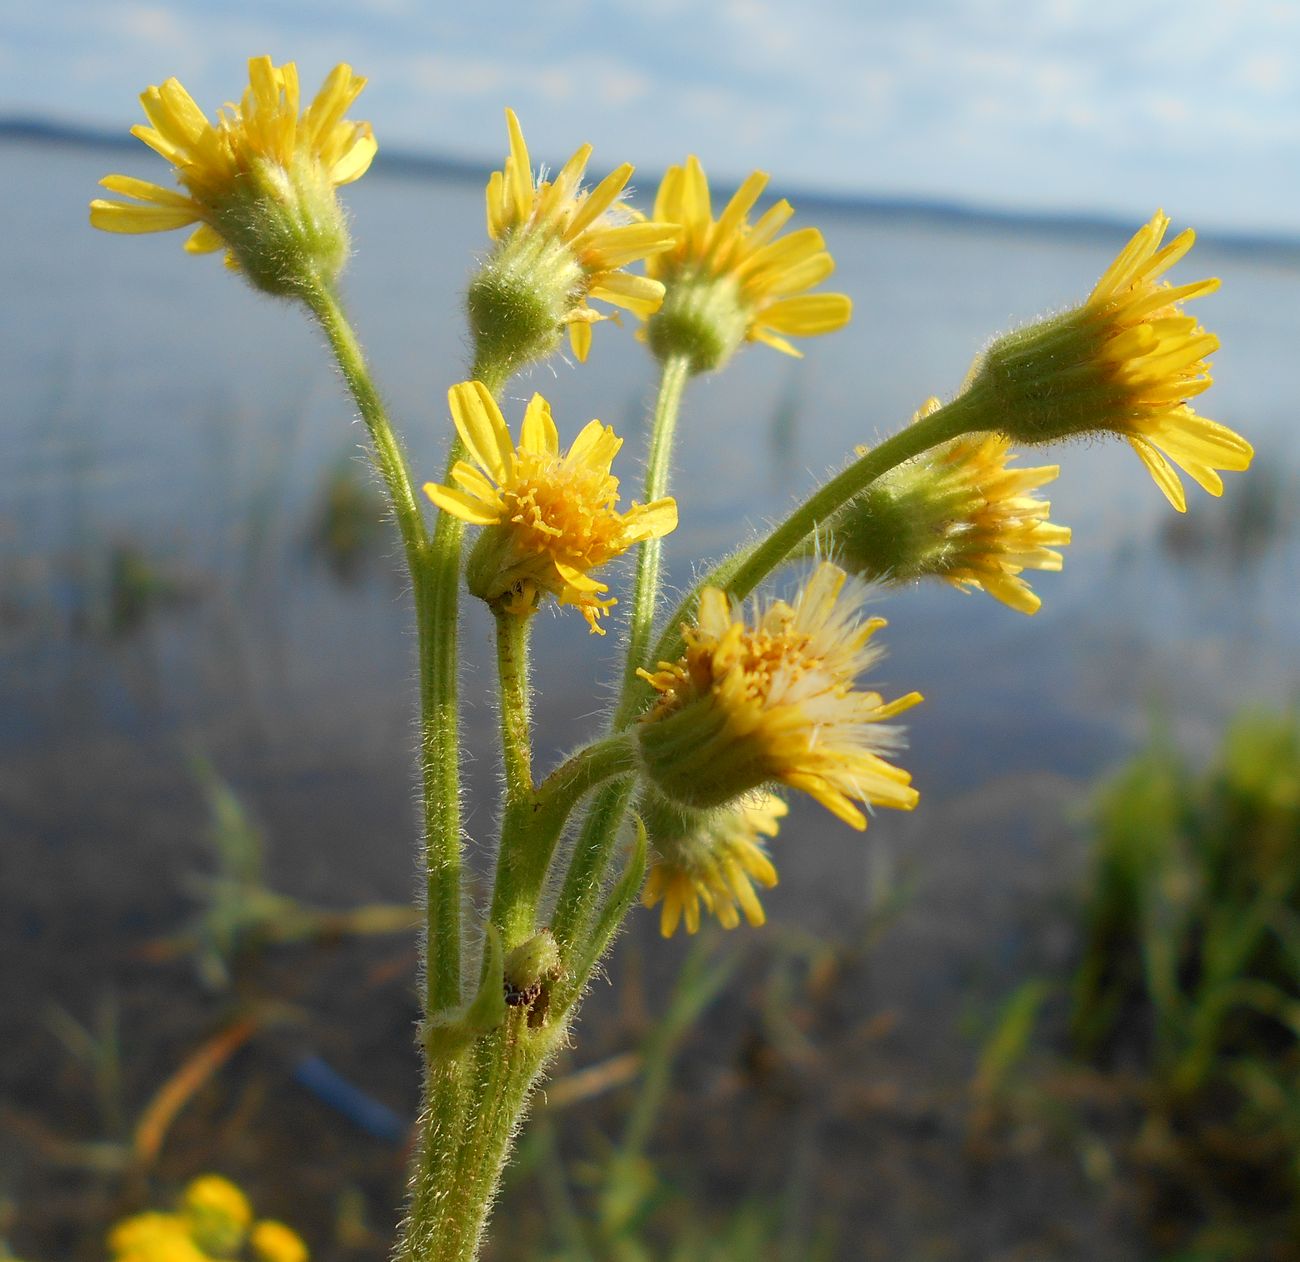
{"points": [[1077, 105]]}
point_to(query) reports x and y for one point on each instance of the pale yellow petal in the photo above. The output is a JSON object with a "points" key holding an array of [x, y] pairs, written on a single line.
{"points": [[144, 191], [205, 239], [809, 314], [356, 162], [654, 520], [596, 444], [521, 177], [580, 339], [124, 217], [538, 432], [482, 427], [458, 504], [599, 200], [1165, 478]]}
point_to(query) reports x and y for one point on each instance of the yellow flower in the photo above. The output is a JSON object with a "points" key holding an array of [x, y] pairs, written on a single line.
{"points": [[259, 181], [1126, 361], [558, 245], [550, 519], [218, 1214], [750, 703], [274, 1242], [154, 1237], [730, 281], [714, 859], [959, 512]]}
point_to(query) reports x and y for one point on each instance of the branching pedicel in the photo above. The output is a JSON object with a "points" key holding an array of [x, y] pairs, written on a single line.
{"points": [[727, 705]]}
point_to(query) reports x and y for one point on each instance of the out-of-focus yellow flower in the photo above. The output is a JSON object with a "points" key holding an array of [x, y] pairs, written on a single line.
{"points": [[272, 1241], [714, 858], [1126, 361], [218, 1214], [958, 512], [259, 182], [558, 245], [774, 700], [730, 281], [153, 1237], [550, 519], [212, 1225]]}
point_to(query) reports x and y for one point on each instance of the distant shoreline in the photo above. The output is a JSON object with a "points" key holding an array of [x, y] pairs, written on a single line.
{"points": [[413, 165]]}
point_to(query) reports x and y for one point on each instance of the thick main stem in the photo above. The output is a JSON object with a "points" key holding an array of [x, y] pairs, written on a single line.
{"points": [[464, 1148]]}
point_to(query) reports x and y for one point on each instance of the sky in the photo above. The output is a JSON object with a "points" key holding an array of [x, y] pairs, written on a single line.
{"points": [[1081, 106]]}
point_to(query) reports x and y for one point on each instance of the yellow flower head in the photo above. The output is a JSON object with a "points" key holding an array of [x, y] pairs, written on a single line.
{"points": [[154, 1237], [959, 512], [274, 1242], [259, 181], [1126, 361], [558, 245], [218, 1214], [550, 518], [712, 858], [730, 281], [774, 700]]}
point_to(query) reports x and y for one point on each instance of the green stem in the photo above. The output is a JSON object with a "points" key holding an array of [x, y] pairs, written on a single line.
{"points": [[532, 829], [672, 383], [434, 565], [387, 453], [516, 752], [439, 633], [575, 906]]}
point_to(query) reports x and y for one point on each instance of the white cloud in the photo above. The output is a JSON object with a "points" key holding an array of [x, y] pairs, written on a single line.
{"points": [[1066, 102]]}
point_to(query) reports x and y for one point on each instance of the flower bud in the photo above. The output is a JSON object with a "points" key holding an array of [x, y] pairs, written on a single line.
{"points": [[531, 963]]}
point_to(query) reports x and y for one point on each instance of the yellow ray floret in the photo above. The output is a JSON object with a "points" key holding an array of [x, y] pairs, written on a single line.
{"points": [[768, 276], [550, 518], [716, 865], [774, 699], [600, 233], [266, 130]]}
